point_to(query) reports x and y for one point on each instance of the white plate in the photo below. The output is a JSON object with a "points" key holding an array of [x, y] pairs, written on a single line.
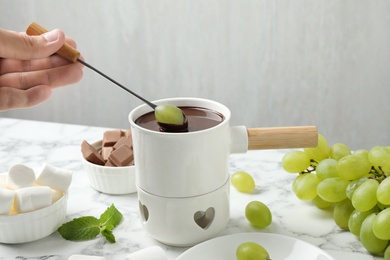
{"points": [[278, 246]]}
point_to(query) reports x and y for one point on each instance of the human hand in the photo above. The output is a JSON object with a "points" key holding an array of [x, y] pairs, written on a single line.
{"points": [[29, 71]]}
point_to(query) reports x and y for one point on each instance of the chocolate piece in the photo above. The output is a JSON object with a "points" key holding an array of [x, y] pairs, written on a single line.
{"points": [[124, 141], [122, 156], [109, 163], [106, 151], [111, 137], [91, 154], [128, 133]]}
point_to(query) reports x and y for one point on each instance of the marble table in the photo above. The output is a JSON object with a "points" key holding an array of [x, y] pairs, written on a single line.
{"points": [[34, 143]]}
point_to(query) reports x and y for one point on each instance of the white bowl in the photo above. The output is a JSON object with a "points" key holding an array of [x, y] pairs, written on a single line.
{"points": [[34, 225], [109, 179]]}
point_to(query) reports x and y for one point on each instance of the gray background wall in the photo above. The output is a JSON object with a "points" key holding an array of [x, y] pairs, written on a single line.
{"points": [[272, 62]]}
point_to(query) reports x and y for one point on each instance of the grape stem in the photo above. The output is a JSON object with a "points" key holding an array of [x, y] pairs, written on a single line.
{"points": [[378, 173], [312, 167]]}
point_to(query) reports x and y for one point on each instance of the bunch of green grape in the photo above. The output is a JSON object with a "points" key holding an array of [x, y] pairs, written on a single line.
{"points": [[354, 184]]}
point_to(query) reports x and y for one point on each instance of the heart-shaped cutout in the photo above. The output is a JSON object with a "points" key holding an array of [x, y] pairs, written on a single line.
{"points": [[204, 218], [144, 211]]}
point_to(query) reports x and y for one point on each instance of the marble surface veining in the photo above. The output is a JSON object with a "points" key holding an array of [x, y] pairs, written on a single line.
{"points": [[34, 143]]}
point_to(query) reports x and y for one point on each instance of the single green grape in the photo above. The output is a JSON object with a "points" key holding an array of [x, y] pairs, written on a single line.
{"points": [[338, 151], [251, 251], [356, 219], [295, 161], [369, 240], [320, 203], [258, 214], [381, 224], [380, 156], [364, 197], [361, 152], [333, 189], [327, 168], [243, 182], [305, 186], [352, 167], [341, 213], [353, 185], [169, 114], [383, 192], [320, 152], [387, 253]]}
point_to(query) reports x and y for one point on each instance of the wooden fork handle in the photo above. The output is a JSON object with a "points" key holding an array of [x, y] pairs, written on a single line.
{"points": [[282, 137], [66, 51]]}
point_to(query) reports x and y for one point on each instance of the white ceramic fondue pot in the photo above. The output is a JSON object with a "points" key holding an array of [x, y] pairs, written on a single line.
{"points": [[183, 178]]}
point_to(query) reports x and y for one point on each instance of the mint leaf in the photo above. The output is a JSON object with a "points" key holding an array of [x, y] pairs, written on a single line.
{"points": [[80, 229], [86, 228], [108, 235], [110, 218], [108, 227]]}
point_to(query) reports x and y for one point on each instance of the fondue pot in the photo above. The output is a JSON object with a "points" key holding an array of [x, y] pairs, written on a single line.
{"points": [[183, 178]]}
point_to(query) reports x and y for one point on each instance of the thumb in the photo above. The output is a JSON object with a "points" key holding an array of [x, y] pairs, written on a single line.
{"points": [[25, 47]]}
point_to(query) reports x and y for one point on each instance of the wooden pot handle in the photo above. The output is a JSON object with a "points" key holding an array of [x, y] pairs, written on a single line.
{"points": [[66, 51], [282, 137]]}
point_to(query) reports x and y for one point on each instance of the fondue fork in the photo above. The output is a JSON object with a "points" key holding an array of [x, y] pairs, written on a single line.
{"points": [[73, 55]]}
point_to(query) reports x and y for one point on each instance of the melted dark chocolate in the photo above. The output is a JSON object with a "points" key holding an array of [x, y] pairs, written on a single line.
{"points": [[199, 118]]}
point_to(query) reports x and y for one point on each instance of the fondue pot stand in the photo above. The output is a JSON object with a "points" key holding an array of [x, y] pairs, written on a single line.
{"points": [[183, 178]]}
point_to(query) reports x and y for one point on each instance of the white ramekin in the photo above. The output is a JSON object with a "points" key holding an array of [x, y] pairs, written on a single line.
{"points": [[108, 179], [34, 225]]}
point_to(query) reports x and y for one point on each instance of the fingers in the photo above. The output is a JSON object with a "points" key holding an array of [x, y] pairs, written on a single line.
{"points": [[11, 98], [29, 71], [54, 77], [15, 45], [13, 65]]}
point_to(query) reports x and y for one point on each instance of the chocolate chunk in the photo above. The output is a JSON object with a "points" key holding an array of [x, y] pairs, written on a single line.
{"points": [[106, 151], [91, 154], [124, 141], [122, 156], [109, 163], [111, 137]]}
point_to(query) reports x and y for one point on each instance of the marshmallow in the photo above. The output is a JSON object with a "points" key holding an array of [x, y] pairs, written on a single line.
{"points": [[150, 253], [6, 200], [19, 176], [55, 178], [56, 195], [85, 257], [32, 198]]}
